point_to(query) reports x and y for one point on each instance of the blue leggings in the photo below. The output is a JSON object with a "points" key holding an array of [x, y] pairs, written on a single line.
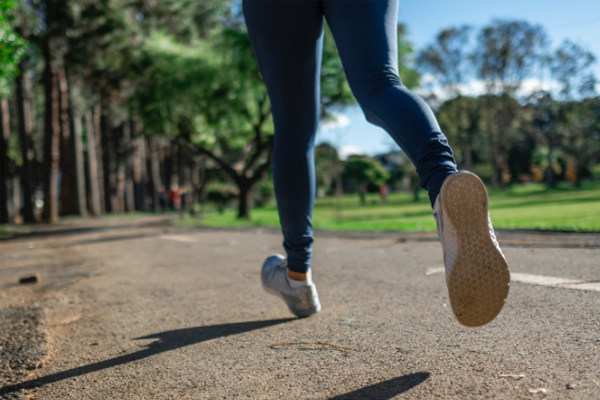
{"points": [[287, 36]]}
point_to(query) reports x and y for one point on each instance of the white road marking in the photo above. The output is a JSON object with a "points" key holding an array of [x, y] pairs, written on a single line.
{"points": [[434, 270], [555, 281], [542, 280], [179, 238]]}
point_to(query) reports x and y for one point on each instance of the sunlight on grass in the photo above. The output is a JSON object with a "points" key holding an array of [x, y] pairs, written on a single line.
{"points": [[518, 207]]}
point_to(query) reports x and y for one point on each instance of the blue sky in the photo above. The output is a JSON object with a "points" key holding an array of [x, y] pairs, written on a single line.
{"points": [[577, 20]]}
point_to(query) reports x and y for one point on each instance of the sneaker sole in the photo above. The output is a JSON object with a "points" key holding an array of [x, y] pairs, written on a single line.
{"points": [[297, 313], [479, 280]]}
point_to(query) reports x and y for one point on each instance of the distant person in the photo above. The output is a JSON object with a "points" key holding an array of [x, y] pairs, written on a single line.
{"points": [[174, 196], [287, 36], [163, 199], [383, 193], [183, 195]]}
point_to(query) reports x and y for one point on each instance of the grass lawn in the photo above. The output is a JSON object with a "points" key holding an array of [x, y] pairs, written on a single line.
{"points": [[518, 207]]}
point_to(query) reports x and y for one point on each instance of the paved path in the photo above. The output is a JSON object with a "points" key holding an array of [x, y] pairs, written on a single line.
{"points": [[134, 309]]}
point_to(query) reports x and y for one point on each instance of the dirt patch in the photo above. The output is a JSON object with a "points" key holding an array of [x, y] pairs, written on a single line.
{"points": [[23, 346]]}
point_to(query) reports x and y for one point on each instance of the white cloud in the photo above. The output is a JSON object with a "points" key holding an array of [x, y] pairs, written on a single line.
{"points": [[476, 87], [533, 84], [349, 150], [339, 121]]}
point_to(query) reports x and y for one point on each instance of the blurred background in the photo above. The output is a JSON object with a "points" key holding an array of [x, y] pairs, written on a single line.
{"points": [[145, 106]]}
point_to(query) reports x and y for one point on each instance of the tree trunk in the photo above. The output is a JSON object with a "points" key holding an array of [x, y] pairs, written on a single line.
{"points": [[549, 177], [94, 182], [468, 157], [96, 118], [79, 163], [119, 168], [140, 170], [127, 147], [51, 139], [24, 114], [110, 177], [495, 181], [339, 193], [16, 198], [174, 178], [245, 199], [198, 177], [185, 177], [167, 162], [68, 182], [362, 192], [4, 134], [154, 180], [578, 173]]}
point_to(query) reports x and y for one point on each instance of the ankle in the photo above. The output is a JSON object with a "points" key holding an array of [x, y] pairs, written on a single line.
{"points": [[298, 279]]}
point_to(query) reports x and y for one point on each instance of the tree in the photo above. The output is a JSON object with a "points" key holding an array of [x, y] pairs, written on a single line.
{"points": [[459, 119], [12, 48], [545, 117], [580, 131], [210, 95], [362, 171], [410, 77], [501, 120], [327, 166], [447, 59], [576, 121], [506, 53], [25, 118], [570, 66], [4, 134]]}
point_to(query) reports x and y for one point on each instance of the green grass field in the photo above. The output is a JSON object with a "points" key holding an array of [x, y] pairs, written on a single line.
{"points": [[518, 207]]}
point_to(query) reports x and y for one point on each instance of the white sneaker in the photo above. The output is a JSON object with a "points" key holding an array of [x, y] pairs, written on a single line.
{"points": [[302, 301], [476, 271]]}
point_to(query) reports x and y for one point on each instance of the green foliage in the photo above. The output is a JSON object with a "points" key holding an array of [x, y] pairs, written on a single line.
{"points": [[410, 77], [334, 86], [580, 131], [207, 92], [570, 66], [175, 83], [459, 119], [447, 58], [186, 20], [518, 207], [507, 52], [264, 193], [363, 170], [327, 165], [221, 196], [12, 46]]}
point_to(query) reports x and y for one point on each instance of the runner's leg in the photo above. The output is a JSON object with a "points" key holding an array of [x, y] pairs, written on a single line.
{"points": [[366, 36], [287, 37]]}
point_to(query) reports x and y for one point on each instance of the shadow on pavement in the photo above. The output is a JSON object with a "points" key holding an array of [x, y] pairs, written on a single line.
{"points": [[90, 227], [387, 389], [167, 341], [113, 238]]}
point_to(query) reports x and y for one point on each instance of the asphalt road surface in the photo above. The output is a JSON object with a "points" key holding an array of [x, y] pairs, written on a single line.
{"points": [[135, 309]]}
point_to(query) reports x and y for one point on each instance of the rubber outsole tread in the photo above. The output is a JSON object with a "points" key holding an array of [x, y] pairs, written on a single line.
{"points": [[479, 281]]}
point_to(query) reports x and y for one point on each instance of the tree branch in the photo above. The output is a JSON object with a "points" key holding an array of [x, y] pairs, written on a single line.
{"points": [[258, 173], [222, 163], [266, 145]]}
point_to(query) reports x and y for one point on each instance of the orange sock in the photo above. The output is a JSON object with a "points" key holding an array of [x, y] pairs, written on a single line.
{"points": [[297, 276], [297, 279]]}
